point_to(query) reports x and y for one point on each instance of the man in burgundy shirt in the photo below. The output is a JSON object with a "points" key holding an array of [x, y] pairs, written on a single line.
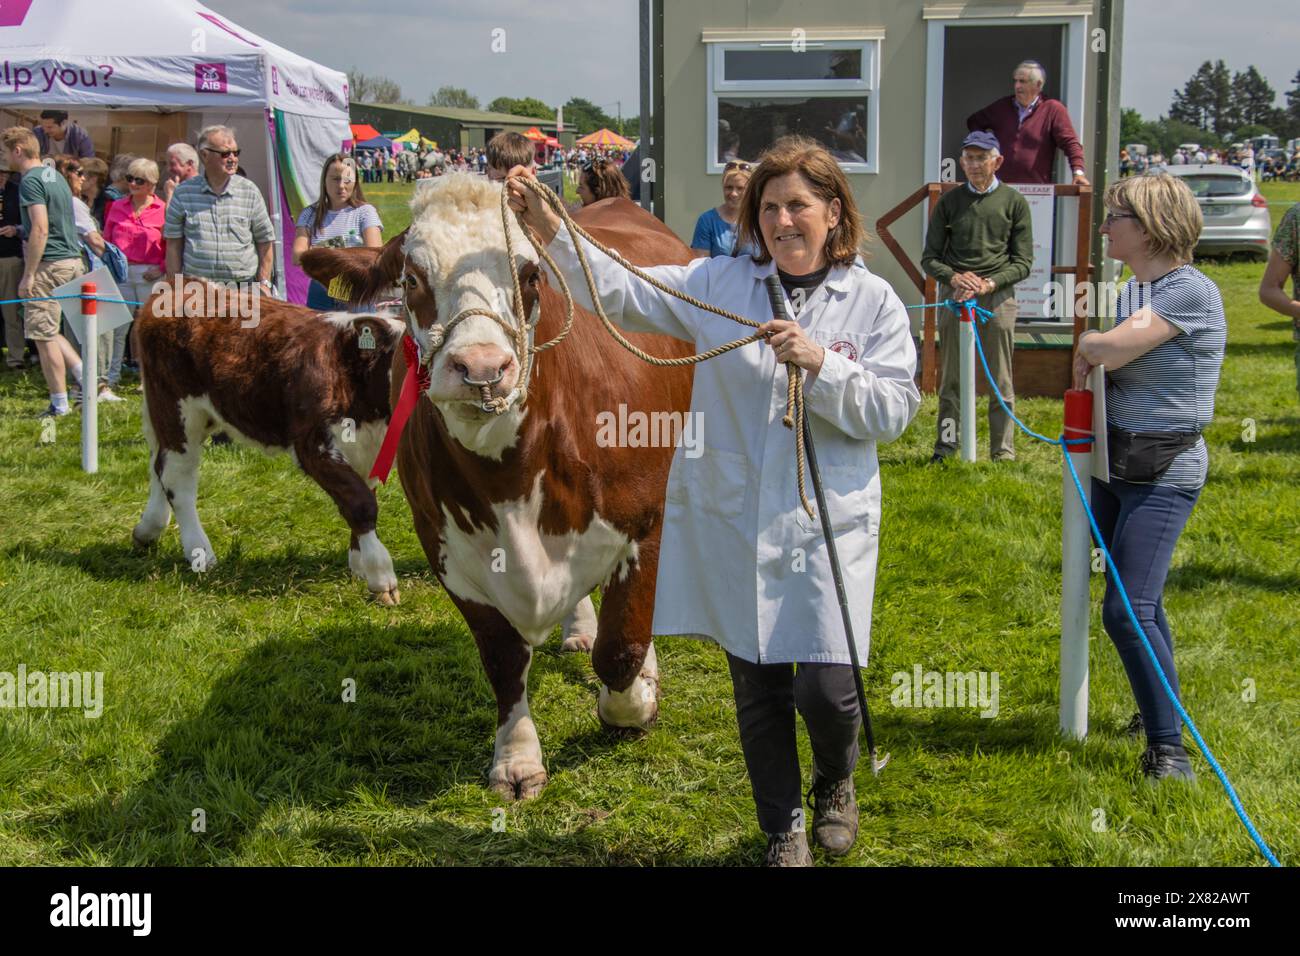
{"points": [[1030, 129]]}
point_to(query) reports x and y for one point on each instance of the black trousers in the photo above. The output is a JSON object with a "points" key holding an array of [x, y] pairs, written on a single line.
{"points": [[767, 696]]}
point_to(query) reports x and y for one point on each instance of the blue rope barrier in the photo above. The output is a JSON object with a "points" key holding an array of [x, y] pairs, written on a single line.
{"points": [[1240, 810], [984, 314], [56, 298]]}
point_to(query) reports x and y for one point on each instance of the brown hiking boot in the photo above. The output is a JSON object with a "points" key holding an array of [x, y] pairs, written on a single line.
{"points": [[788, 849], [835, 814]]}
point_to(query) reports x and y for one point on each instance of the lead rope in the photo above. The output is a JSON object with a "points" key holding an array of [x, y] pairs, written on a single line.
{"points": [[794, 401]]}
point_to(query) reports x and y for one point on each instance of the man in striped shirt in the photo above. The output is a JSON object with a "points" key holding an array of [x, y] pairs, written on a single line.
{"points": [[217, 225]]}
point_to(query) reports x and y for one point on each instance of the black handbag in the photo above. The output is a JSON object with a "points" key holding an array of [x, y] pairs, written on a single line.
{"points": [[1144, 456]]}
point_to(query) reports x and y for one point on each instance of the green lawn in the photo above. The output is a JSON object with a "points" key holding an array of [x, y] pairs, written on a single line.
{"points": [[223, 691]]}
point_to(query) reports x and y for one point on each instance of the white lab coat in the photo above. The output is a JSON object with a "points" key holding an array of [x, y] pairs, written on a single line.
{"points": [[741, 562]]}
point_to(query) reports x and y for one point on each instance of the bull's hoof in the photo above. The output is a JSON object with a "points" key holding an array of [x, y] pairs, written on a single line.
{"points": [[633, 711], [575, 643], [629, 733], [514, 787], [141, 544], [390, 597]]}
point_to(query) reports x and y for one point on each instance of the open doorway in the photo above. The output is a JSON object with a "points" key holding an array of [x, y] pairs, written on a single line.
{"points": [[972, 61], [977, 65]]}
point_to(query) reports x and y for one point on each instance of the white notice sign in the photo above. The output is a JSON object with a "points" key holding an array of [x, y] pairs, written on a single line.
{"points": [[1032, 294]]}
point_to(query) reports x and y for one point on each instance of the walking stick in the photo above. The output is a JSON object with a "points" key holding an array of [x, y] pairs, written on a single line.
{"points": [[777, 299]]}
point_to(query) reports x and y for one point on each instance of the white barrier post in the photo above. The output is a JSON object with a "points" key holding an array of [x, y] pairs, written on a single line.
{"points": [[89, 379], [966, 382], [1076, 551]]}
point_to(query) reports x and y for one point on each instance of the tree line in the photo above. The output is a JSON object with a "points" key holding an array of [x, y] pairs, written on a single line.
{"points": [[580, 114], [1216, 107]]}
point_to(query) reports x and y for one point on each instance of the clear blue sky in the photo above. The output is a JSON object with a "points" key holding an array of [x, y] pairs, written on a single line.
{"points": [[564, 48]]}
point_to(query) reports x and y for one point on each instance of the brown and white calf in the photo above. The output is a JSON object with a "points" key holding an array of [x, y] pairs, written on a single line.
{"points": [[289, 379], [523, 513]]}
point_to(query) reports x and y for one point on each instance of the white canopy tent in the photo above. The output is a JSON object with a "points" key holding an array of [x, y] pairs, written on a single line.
{"points": [[170, 68]]}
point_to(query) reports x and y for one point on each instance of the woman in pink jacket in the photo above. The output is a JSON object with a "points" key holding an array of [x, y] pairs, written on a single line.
{"points": [[134, 224]]}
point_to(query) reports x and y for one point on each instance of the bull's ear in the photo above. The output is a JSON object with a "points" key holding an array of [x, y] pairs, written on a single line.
{"points": [[356, 276]]}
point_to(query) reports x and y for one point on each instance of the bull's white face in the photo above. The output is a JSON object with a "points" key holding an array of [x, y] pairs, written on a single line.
{"points": [[456, 260]]}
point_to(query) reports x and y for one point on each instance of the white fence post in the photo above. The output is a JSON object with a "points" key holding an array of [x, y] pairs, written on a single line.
{"points": [[966, 382], [1076, 552], [89, 379]]}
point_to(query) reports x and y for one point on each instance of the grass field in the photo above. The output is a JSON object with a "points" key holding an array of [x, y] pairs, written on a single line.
{"points": [[223, 690]]}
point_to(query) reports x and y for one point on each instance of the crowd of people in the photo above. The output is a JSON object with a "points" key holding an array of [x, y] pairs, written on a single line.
{"points": [[409, 165], [1266, 165], [427, 162], [1277, 165], [66, 212]]}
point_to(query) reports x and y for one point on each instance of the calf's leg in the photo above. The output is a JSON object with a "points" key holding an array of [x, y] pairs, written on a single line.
{"points": [[579, 631], [179, 477], [157, 513], [367, 556]]}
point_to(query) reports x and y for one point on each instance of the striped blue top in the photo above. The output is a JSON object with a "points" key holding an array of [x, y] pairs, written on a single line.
{"points": [[1171, 388]]}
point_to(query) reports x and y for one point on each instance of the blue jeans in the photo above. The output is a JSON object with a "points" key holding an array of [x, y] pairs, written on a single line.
{"points": [[1140, 525]]}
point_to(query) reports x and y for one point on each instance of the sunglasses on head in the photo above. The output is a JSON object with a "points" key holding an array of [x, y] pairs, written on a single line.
{"points": [[224, 153], [136, 180], [738, 164], [599, 161]]}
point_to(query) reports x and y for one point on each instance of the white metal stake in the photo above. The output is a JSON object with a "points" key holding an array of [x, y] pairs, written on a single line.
{"points": [[1076, 551], [89, 379], [966, 382]]}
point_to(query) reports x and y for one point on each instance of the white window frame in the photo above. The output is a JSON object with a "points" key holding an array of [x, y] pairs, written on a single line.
{"points": [[868, 84]]}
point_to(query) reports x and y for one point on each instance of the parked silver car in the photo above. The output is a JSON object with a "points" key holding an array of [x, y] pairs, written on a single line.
{"points": [[1234, 210]]}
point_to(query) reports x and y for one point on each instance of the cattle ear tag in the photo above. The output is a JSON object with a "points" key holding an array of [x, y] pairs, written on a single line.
{"points": [[340, 289], [366, 340]]}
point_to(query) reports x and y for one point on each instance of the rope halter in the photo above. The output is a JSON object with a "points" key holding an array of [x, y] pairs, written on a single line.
{"points": [[519, 330]]}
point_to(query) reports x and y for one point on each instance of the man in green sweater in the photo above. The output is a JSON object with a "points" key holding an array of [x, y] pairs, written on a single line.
{"points": [[979, 245]]}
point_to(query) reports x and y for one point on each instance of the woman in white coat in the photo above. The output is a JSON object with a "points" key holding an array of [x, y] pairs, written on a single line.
{"points": [[741, 563]]}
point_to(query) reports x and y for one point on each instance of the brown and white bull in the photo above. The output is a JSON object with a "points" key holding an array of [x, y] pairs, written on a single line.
{"points": [[523, 513], [288, 379]]}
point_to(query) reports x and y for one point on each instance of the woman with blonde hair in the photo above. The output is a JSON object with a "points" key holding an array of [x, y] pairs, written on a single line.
{"points": [[715, 230], [740, 561], [1162, 361], [134, 224]]}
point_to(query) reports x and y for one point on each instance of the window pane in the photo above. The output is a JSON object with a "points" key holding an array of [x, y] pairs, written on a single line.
{"points": [[749, 124], [812, 64], [1213, 185]]}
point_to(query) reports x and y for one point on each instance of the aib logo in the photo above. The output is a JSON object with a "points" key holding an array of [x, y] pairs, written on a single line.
{"points": [[14, 12], [275, 80], [209, 77]]}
